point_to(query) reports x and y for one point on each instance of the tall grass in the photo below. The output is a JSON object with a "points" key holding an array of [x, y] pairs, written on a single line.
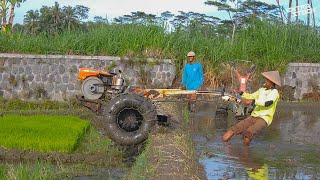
{"points": [[268, 45], [17, 104], [36, 171], [42, 133]]}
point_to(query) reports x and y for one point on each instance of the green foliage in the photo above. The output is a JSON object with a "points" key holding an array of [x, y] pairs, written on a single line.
{"points": [[42, 133], [17, 104], [186, 115], [254, 32], [35, 171], [41, 170], [266, 44], [94, 142], [53, 20], [111, 66], [142, 167], [139, 169]]}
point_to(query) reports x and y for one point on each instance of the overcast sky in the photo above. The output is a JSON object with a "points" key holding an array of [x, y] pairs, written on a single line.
{"points": [[114, 8]]}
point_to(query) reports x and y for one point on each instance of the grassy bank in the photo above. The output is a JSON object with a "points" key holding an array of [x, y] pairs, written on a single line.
{"points": [[142, 168], [42, 133], [39, 171], [17, 104], [44, 170], [269, 45], [169, 154]]}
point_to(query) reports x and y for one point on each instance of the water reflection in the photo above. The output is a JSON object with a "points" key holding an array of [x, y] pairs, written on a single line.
{"points": [[288, 149], [255, 168], [300, 127]]}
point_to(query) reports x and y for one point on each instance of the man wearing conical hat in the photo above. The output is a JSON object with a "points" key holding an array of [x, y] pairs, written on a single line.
{"points": [[266, 100]]}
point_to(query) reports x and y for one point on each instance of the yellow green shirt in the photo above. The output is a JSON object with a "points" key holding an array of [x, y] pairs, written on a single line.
{"points": [[261, 96]]}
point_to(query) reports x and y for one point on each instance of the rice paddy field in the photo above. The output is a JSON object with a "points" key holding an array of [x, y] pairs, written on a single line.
{"points": [[42, 133], [54, 140]]}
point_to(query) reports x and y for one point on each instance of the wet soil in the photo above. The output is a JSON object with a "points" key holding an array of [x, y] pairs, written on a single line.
{"points": [[171, 152], [14, 155], [288, 149], [172, 157]]}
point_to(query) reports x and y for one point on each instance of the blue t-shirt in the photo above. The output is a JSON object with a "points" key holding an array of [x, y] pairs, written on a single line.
{"points": [[192, 76]]}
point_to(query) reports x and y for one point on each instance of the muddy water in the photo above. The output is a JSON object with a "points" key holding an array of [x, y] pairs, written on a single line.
{"points": [[288, 149]]}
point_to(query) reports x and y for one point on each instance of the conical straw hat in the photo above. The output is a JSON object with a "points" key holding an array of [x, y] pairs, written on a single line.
{"points": [[273, 76]]}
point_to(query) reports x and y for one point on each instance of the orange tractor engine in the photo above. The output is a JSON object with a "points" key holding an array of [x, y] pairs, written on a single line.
{"points": [[97, 83]]}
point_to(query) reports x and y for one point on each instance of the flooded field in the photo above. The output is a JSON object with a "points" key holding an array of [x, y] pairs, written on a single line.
{"points": [[288, 149]]}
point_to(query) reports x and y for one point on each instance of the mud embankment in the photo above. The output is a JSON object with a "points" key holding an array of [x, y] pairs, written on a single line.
{"points": [[97, 159], [170, 152]]}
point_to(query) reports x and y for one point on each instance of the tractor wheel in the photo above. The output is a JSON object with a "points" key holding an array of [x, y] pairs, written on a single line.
{"points": [[129, 118], [90, 90]]}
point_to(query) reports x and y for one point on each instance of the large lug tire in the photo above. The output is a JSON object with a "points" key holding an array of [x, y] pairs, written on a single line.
{"points": [[89, 90], [129, 118]]}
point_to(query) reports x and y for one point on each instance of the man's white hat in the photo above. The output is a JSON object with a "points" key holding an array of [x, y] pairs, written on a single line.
{"points": [[191, 53]]}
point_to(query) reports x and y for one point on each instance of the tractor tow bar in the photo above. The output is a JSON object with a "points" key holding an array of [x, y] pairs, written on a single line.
{"points": [[94, 106]]}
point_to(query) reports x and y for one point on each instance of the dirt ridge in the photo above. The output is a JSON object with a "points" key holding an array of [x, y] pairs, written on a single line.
{"points": [[15, 155]]}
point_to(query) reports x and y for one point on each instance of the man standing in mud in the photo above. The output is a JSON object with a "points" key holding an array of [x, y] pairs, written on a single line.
{"points": [[192, 78], [266, 100]]}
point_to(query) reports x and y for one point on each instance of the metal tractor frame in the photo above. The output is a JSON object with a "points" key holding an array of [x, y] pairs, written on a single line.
{"points": [[129, 114]]}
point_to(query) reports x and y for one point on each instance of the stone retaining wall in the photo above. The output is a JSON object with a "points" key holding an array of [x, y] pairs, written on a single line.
{"points": [[55, 76], [302, 78]]}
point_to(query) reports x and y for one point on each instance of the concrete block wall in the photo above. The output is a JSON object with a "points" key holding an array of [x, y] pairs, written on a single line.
{"points": [[302, 77], [55, 76]]}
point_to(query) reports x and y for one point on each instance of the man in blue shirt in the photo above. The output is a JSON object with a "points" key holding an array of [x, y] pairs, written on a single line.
{"points": [[192, 77]]}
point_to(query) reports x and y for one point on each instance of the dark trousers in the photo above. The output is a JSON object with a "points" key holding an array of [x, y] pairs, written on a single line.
{"points": [[249, 126], [192, 98]]}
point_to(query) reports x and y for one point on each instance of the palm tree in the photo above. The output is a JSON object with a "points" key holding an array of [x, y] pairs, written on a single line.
{"points": [[70, 17], [289, 14], [31, 21], [4, 10], [46, 19], [308, 18], [57, 16], [280, 10], [13, 3], [297, 11], [314, 20]]}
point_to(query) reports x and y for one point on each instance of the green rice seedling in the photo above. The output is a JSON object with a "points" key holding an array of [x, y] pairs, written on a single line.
{"points": [[42, 133]]}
